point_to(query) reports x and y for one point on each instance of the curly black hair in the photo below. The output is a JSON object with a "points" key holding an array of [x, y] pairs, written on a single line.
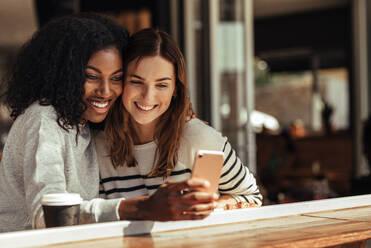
{"points": [[50, 67]]}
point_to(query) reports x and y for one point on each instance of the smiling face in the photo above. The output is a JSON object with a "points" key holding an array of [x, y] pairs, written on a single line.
{"points": [[148, 89], [103, 83]]}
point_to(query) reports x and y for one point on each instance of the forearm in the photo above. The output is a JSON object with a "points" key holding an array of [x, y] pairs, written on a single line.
{"points": [[228, 202], [226, 199]]}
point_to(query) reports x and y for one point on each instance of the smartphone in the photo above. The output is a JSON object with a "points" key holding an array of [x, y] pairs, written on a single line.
{"points": [[208, 165]]}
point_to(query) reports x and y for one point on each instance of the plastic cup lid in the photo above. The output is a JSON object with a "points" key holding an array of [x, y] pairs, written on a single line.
{"points": [[61, 199]]}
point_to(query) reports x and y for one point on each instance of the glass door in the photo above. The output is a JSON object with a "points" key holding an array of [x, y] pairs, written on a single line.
{"points": [[222, 87]]}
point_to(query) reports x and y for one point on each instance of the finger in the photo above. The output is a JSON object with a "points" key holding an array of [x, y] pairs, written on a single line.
{"points": [[187, 212], [200, 208], [198, 182], [194, 215], [194, 197], [188, 207], [192, 183]]}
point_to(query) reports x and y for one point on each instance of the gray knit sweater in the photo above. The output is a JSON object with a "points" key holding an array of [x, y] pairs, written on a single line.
{"points": [[40, 157]]}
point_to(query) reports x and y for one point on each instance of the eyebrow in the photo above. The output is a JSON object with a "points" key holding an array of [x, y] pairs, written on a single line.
{"points": [[97, 70], [157, 80]]}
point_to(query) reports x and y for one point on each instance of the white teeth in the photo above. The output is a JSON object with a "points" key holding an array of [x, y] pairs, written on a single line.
{"points": [[146, 108], [99, 104]]}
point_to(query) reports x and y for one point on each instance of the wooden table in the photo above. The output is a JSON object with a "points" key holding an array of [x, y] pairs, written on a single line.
{"points": [[342, 222]]}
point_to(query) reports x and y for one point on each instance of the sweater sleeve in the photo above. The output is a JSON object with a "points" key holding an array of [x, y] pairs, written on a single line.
{"points": [[237, 180], [44, 172], [42, 165]]}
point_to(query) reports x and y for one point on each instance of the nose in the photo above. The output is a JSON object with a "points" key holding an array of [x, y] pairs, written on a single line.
{"points": [[147, 94], [104, 89]]}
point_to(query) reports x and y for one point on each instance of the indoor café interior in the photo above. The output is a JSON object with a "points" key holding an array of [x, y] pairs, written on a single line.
{"points": [[287, 82]]}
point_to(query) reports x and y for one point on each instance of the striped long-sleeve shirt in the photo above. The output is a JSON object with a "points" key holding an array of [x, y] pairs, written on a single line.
{"points": [[128, 182]]}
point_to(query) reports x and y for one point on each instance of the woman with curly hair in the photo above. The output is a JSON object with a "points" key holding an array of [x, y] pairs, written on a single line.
{"points": [[151, 144], [66, 77]]}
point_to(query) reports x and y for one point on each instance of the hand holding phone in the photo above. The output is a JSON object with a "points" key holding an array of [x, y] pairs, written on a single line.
{"points": [[208, 165]]}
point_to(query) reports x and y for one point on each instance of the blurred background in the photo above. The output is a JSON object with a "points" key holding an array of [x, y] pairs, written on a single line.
{"points": [[285, 80]]}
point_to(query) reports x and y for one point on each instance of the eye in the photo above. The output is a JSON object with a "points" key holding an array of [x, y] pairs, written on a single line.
{"points": [[91, 76], [117, 78], [162, 85]]}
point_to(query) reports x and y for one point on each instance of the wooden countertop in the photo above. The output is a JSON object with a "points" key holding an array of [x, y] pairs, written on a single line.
{"points": [[324, 229], [340, 222]]}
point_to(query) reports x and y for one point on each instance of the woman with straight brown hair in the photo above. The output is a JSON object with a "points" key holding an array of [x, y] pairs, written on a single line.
{"points": [[147, 151]]}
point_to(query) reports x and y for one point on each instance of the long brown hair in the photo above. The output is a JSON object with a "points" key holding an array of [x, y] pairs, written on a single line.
{"points": [[169, 129]]}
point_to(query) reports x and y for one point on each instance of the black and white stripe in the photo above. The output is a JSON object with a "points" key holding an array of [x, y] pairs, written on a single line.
{"points": [[236, 178], [107, 184]]}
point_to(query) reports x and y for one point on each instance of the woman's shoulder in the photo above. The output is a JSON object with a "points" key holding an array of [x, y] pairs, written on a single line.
{"points": [[198, 134], [36, 121], [197, 127], [37, 111], [37, 116]]}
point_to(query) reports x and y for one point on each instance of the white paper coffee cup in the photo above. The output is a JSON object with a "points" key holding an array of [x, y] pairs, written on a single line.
{"points": [[61, 209]]}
